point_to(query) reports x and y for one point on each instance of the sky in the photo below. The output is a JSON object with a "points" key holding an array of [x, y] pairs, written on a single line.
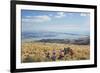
{"points": [[55, 21]]}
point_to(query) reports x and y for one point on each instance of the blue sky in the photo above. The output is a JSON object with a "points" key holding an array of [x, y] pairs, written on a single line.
{"points": [[55, 21]]}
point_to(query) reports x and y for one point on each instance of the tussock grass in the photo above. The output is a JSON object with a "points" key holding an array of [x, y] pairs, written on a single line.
{"points": [[37, 52]]}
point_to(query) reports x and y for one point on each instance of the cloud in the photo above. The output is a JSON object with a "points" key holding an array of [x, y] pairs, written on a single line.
{"points": [[60, 14], [50, 15], [31, 19], [83, 14], [67, 28]]}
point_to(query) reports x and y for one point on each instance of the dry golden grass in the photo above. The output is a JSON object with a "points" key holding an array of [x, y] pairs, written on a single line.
{"points": [[36, 51]]}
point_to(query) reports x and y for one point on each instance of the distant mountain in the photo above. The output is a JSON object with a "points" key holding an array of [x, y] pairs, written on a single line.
{"points": [[54, 41], [38, 34], [80, 41]]}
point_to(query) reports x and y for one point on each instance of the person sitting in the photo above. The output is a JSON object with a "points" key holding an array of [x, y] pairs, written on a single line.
{"points": [[71, 52], [61, 54], [66, 50], [53, 55], [48, 55]]}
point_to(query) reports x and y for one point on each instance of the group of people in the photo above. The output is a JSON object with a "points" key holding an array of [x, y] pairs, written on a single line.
{"points": [[62, 53]]}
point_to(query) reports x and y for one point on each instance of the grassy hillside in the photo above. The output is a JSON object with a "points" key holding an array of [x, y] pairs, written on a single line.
{"points": [[44, 52]]}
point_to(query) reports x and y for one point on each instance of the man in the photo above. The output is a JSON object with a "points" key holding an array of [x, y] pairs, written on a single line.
{"points": [[66, 50]]}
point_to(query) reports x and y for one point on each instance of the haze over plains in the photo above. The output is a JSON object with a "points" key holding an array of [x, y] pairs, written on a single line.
{"points": [[54, 24]]}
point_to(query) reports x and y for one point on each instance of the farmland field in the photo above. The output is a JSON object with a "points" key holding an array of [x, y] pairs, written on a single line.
{"points": [[47, 52]]}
